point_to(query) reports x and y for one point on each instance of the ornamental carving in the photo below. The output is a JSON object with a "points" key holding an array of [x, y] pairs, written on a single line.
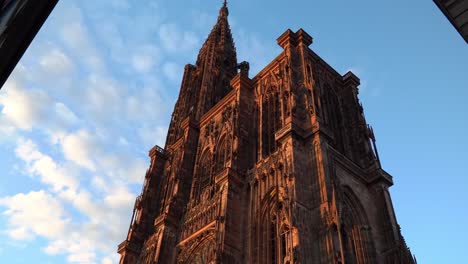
{"points": [[249, 173], [199, 250]]}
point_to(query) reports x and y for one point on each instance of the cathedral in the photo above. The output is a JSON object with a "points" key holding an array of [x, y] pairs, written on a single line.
{"points": [[278, 168]]}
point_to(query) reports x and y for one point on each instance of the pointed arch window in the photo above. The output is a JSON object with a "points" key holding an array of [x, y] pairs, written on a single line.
{"points": [[332, 107], [356, 237], [203, 173], [223, 153], [271, 118], [332, 115]]}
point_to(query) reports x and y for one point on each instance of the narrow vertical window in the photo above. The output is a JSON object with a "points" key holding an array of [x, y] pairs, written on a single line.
{"points": [[271, 121], [283, 245], [277, 120], [265, 141], [203, 174], [221, 154], [273, 242], [309, 74]]}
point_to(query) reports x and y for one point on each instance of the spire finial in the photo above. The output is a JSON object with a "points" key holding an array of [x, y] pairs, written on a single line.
{"points": [[224, 10]]}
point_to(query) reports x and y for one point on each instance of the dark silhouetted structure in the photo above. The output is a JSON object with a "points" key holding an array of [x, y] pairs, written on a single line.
{"points": [[280, 168], [456, 12], [20, 20]]}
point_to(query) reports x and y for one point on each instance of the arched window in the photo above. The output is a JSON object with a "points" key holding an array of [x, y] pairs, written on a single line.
{"points": [[203, 173], [348, 245], [332, 115], [202, 254], [223, 150], [283, 245], [271, 118], [332, 107], [356, 237]]}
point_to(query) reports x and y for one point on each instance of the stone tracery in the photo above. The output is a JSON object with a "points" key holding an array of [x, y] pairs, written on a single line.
{"points": [[249, 170]]}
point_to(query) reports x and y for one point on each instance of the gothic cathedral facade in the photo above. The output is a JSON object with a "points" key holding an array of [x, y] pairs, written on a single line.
{"points": [[280, 168]]}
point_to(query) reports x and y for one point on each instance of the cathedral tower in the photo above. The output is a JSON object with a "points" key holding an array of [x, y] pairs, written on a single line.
{"points": [[278, 168]]}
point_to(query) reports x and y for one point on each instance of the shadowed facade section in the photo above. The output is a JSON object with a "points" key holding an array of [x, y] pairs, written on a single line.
{"points": [[278, 168]]}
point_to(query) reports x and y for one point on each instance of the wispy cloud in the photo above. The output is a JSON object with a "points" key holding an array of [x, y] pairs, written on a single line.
{"points": [[36, 213], [82, 130], [24, 109], [174, 39], [45, 167], [82, 111]]}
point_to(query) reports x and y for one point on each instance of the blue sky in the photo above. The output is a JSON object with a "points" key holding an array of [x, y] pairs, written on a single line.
{"points": [[95, 90]]}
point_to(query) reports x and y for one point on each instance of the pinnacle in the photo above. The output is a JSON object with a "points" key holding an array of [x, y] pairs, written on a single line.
{"points": [[220, 37], [224, 10]]}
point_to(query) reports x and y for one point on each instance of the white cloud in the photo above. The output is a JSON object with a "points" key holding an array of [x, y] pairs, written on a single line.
{"points": [[65, 114], [78, 147], [107, 218], [104, 216], [24, 109], [80, 256], [123, 167], [20, 233], [101, 122], [142, 63], [104, 98], [175, 40], [145, 106], [119, 197], [7, 131], [88, 151], [30, 109], [153, 135], [146, 58], [34, 214], [123, 141], [76, 245], [37, 163], [83, 201], [108, 260], [56, 62], [76, 37]]}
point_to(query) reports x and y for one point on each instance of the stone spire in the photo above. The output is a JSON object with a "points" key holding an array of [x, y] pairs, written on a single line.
{"points": [[217, 61], [206, 82]]}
